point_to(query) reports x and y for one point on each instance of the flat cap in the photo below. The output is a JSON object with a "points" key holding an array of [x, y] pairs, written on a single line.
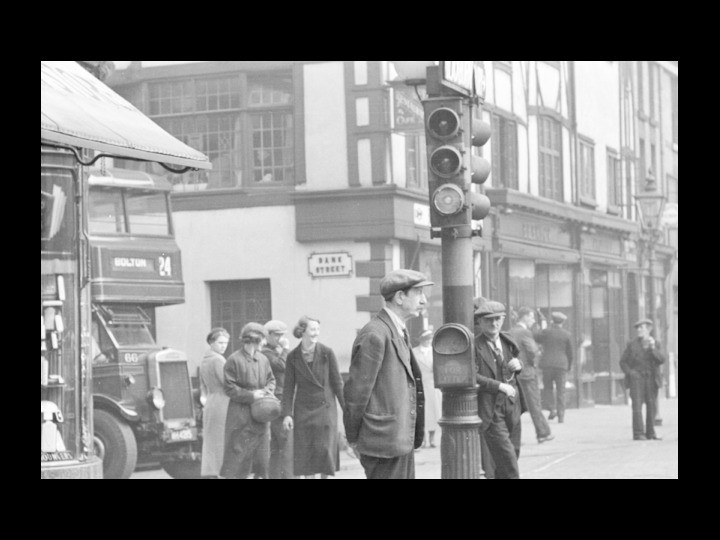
{"points": [[398, 280], [643, 321], [277, 327], [558, 316], [253, 330], [489, 308]]}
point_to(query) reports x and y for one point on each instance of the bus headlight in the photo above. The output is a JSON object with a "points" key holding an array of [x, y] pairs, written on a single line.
{"points": [[157, 398]]}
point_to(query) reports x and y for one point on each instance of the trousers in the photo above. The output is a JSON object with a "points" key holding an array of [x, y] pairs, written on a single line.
{"points": [[396, 468], [554, 400], [643, 390], [531, 391], [500, 442]]}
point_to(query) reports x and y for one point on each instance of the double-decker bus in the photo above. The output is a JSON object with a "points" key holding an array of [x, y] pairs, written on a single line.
{"points": [[82, 121], [142, 396]]}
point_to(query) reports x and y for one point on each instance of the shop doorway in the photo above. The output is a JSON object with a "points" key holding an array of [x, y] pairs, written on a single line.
{"points": [[607, 335]]}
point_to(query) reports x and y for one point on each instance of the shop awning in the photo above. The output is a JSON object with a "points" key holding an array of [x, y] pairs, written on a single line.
{"points": [[78, 110]]}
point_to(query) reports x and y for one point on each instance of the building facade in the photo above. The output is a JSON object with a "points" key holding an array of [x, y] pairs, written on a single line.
{"points": [[319, 188]]}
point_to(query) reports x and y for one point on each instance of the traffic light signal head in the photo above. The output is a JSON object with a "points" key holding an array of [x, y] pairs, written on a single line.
{"points": [[450, 133]]}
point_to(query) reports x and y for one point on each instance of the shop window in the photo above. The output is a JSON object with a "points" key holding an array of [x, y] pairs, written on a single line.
{"points": [[550, 162], [233, 304]]}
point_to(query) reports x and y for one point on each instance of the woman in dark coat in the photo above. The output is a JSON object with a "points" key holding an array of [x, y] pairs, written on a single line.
{"points": [[312, 384]]}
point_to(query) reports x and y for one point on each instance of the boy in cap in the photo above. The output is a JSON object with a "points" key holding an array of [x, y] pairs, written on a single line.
{"points": [[248, 377], [500, 397], [555, 362], [641, 363], [384, 401], [281, 440]]}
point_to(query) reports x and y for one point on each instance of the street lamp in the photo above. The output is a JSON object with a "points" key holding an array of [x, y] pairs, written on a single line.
{"points": [[651, 204]]}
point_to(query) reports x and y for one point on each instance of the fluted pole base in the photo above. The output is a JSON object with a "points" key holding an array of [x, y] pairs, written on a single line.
{"points": [[460, 443]]}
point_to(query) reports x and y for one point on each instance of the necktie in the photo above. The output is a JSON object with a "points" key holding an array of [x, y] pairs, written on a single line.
{"points": [[406, 337]]}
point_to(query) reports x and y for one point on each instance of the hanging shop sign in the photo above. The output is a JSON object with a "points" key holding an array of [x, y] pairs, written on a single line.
{"points": [[408, 110], [330, 264]]}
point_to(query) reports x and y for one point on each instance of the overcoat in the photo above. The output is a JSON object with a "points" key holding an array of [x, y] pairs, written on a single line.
{"points": [[528, 350], [384, 400], [243, 375], [557, 348], [433, 396], [636, 360], [309, 397], [488, 382], [214, 412]]}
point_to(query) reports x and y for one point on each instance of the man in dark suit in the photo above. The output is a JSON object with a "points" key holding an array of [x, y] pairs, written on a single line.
{"points": [[384, 403], [641, 363], [523, 336], [500, 398], [555, 362]]}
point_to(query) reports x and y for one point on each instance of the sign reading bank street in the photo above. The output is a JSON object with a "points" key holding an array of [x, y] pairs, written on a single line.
{"points": [[330, 264]]}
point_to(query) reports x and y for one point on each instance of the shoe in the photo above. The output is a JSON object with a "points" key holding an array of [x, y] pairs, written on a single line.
{"points": [[561, 419], [433, 445], [551, 415], [640, 438], [546, 439], [654, 438]]}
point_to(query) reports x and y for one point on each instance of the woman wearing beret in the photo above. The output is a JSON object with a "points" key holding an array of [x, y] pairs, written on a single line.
{"points": [[215, 402], [312, 384]]}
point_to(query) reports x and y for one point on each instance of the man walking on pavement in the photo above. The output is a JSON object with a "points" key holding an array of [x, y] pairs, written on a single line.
{"points": [[281, 440], [555, 362], [641, 363], [500, 398], [384, 403], [522, 334]]}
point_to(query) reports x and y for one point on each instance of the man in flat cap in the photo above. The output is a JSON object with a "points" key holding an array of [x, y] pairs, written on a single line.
{"points": [[529, 354], [555, 362], [384, 402], [500, 397], [248, 377], [281, 444], [641, 363]]}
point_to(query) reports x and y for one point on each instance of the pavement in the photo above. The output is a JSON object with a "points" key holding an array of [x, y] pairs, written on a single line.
{"points": [[593, 442]]}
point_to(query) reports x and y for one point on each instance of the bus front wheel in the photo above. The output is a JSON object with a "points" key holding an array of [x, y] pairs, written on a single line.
{"points": [[115, 444]]}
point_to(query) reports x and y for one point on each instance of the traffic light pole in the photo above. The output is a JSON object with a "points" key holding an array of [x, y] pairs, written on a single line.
{"points": [[460, 442], [450, 133]]}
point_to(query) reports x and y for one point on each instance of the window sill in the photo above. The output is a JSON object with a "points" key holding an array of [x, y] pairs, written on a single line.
{"points": [[587, 201]]}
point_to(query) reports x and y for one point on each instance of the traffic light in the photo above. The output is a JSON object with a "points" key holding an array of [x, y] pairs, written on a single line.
{"points": [[450, 133]]}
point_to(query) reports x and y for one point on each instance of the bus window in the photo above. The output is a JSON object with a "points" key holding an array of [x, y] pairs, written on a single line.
{"points": [[105, 214], [147, 213], [132, 335]]}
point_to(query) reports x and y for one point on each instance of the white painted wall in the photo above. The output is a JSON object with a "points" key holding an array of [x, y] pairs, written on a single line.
{"points": [[326, 159], [598, 115], [235, 244]]}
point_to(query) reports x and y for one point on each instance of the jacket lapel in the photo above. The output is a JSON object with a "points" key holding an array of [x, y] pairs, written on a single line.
{"points": [[402, 352], [303, 367], [487, 355]]}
